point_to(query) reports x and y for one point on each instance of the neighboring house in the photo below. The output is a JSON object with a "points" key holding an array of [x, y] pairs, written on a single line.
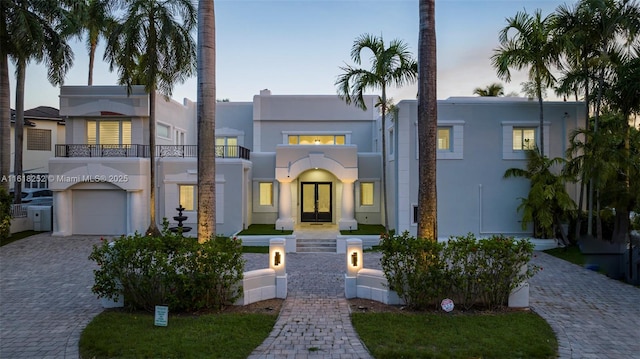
{"points": [[43, 129], [288, 159]]}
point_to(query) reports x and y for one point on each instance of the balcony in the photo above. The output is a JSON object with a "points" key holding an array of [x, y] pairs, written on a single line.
{"points": [[83, 150]]}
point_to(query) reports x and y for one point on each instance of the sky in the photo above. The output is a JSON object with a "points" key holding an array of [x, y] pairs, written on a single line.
{"points": [[297, 47]]}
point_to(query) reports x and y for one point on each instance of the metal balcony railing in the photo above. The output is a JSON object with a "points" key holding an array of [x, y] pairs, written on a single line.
{"points": [[80, 150]]}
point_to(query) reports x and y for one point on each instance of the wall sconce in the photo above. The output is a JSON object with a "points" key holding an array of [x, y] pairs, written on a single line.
{"points": [[277, 258], [354, 259], [317, 141]]}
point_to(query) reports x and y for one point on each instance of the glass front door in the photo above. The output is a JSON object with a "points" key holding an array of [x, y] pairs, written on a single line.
{"points": [[316, 202]]}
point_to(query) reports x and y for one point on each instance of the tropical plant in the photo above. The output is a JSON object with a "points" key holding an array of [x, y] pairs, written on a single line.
{"points": [[206, 120], [614, 168], [548, 204], [5, 214], [493, 90], [427, 123], [391, 66], [94, 18], [153, 44], [31, 32], [526, 42]]}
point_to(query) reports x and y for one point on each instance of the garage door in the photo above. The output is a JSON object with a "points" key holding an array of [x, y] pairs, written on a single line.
{"points": [[99, 212]]}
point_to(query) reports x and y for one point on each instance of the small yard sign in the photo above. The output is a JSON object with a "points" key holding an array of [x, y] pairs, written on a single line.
{"points": [[162, 316], [447, 305]]}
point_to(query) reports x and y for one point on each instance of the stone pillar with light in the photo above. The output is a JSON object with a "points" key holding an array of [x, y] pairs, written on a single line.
{"points": [[354, 265], [277, 262]]}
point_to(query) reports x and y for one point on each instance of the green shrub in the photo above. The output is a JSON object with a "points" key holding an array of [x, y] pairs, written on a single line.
{"points": [[169, 270], [469, 271], [5, 214]]}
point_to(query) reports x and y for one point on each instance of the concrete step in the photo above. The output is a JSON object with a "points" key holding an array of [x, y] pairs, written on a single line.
{"points": [[316, 245]]}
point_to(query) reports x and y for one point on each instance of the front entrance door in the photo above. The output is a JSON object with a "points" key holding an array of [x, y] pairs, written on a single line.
{"points": [[316, 202]]}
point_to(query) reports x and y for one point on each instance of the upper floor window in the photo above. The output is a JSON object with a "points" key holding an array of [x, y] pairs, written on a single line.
{"points": [[109, 132], [444, 138], [38, 139], [524, 138], [317, 139], [227, 146], [163, 130]]}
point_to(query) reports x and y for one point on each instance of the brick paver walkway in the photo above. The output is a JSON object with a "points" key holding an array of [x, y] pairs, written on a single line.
{"points": [[46, 301]]}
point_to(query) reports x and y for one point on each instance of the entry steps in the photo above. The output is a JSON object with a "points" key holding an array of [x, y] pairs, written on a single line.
{"points": [[315, 245]]}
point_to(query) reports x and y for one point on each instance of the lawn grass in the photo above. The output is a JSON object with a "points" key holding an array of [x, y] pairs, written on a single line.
{"points": [[365, 229], [570, 254], [255, 249], [430, 335], [263, 229], [16, 236], [116, 334]]}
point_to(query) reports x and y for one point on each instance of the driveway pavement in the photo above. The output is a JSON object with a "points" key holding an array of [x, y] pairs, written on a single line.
{"points": [[46, 301]]}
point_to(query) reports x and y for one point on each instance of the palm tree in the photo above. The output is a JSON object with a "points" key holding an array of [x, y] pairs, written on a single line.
{"points": [[5, 102], [548, 202], [206, 120], [427, 123], [530, 46], [493, 90], [391, 66], [153, 44], [30, 33], [92, 17]]}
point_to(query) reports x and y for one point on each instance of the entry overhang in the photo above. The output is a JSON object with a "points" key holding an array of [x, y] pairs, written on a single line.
{"points": [[292, 160]]}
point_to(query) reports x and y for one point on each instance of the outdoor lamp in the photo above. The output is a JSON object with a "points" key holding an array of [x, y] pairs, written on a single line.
{"points": [[354, 259], [277, 258]]}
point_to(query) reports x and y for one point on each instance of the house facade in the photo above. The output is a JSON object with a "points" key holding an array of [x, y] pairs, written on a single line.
{"points": [[292, 159], [43, 129]]}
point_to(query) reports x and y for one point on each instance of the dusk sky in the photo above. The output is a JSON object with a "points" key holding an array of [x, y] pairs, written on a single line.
{"points": [[297, 46]]}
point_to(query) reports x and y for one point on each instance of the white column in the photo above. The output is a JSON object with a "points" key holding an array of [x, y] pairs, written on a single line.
{"points": [[285, 220], [347, 221], [62, 213]]}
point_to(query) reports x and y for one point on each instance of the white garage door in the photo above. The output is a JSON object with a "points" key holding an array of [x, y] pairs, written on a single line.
{"points": [[99, 212]]}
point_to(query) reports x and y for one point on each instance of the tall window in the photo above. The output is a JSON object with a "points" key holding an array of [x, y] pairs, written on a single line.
{"points": [[227, 146], [188, 197], [390, 143], [108, 132], [163, 130], [366, 193], [38, 139], [266, 193], [524, 138], [444, 139]]}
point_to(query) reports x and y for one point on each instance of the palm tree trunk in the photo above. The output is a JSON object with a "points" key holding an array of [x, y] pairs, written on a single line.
{"points": [[540, 107], [427, 124], [19, 128], [92, 55], [5, 119], [384, 160], [153, 227], [206, 121]]}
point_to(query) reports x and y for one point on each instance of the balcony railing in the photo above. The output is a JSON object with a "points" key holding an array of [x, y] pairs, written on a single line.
{"points": [[143, 151]]}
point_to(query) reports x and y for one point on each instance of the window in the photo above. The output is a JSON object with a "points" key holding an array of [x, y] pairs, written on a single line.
{"points": [[390, 143], [108, 132], [524, 138], [188, 197], [163, 130], [366, 193], [415, 214], [317, 139], [38, 139], [266, 193], [226, 146], [444, 139]]}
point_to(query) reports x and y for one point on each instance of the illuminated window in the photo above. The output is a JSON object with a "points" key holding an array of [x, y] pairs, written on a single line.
{"points": [[227, 147], [266, 193], [317, 139], [108, 132], [524, 138], [444, 138], [188, 197], [38, 139], [366, 193]]}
